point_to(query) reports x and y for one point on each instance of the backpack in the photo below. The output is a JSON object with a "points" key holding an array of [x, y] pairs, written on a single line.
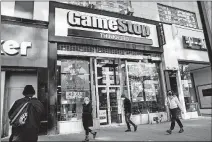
{"points": [[20, 115]]}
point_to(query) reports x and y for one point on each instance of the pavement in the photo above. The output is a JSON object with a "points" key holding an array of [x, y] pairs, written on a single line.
{"points": [[195, 130]]}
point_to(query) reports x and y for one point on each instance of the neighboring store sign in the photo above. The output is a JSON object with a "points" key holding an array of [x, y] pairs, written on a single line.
{"points": [[194, 43], [103, 116], [23, 46], [82, 24], [74, 95], [11, 47], [161, 34]]}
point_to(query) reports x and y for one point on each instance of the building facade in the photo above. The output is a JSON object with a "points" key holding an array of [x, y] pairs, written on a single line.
{"points": [[103, 56], [24, 49], [103, 50]]}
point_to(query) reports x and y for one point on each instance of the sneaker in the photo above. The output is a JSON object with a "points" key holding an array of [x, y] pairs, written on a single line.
{"points": [[181, 130], [94, 135], [169, 131], [135, 128], [128, 130]]}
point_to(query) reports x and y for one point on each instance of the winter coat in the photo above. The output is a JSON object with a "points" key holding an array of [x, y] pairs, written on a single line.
{"points": [[127, 105], [29, 131], [87, 118]]}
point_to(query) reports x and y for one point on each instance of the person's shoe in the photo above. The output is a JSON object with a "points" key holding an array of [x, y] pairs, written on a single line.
{"points": [[94, 135], [169, 131], [86, 139], [128, 130], [135, 128], [181, 130]]}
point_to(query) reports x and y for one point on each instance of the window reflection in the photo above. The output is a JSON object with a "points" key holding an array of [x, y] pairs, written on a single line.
{"points": [[145, 87], [73, 85]]}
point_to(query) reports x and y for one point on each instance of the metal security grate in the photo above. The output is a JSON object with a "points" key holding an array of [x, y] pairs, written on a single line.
{"points": [[81, 48], [94, 49]]}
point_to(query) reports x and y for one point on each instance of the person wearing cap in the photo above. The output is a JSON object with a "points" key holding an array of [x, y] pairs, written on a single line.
{"points": [[127, 110], [174, 105], [29, 131]]}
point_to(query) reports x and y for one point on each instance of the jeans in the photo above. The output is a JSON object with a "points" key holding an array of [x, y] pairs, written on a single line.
{"points": [[128, 121], [174, 117]]}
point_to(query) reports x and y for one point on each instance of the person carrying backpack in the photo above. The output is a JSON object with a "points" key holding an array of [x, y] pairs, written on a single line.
{"points": [[25, 116]]}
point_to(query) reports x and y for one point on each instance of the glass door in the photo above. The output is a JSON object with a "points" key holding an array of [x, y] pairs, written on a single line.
{"points": [[108, 87], [113, 95]]}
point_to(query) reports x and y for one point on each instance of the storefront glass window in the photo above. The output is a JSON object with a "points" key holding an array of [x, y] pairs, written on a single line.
{"points": [[145, 87], [73, 86], [107, 72], [188, 89]]}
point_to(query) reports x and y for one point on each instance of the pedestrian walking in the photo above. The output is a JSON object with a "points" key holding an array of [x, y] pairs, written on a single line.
{"points": [[127, 110], [174, 106], [25, 116], [87, 118]]}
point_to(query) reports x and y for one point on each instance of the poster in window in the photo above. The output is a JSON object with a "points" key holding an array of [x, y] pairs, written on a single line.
{"points": [[103, 116], [185, 85], [136, 90]]}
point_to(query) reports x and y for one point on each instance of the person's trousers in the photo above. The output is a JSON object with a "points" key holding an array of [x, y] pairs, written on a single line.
{"points": [[175, 117], [128, 121], [87, 129]]}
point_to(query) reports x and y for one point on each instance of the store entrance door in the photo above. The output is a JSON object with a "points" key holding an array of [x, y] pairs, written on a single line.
{"points": [[108, 84]]}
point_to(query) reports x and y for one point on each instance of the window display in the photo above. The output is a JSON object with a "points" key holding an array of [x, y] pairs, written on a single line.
{"points": [[145, 87], [188, 89], [73, 86]]}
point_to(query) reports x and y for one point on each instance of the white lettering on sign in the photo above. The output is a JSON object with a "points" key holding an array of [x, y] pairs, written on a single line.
{"points": [[72, 22], [191, 41], [11, 47], [112, 36], [121, 25]]}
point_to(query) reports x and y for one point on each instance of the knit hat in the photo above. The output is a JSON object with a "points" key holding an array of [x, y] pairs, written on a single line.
{"points": [[123, 96], [28, 91]]}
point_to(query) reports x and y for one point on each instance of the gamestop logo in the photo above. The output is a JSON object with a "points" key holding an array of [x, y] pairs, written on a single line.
{"points": [[121, 25]]}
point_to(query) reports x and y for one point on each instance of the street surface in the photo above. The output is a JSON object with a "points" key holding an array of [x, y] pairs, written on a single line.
{"points": [[195, 130]]}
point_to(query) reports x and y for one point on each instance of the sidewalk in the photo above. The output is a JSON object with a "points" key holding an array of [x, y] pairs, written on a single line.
{"points": [[195, 130]]}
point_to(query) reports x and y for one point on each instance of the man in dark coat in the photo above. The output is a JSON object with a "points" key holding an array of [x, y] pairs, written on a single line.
{"points": [[29, 131], [127, 110], [87, 118]]}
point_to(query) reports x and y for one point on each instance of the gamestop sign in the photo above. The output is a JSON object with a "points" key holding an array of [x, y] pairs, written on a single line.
{"points": [[76, 23]]}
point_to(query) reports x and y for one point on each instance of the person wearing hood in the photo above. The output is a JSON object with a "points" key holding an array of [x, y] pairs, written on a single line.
{"points": [[128, 112], [87, 118], [29, 131]]}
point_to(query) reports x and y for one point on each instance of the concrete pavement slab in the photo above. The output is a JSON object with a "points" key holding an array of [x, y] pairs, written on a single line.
{"points": [[195, 130]]}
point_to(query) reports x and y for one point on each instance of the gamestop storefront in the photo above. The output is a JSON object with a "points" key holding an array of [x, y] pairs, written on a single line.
{"points": [[102, 55]]}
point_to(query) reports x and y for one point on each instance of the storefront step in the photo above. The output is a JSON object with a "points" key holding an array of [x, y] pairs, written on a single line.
{"points": [[150, 118]]}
